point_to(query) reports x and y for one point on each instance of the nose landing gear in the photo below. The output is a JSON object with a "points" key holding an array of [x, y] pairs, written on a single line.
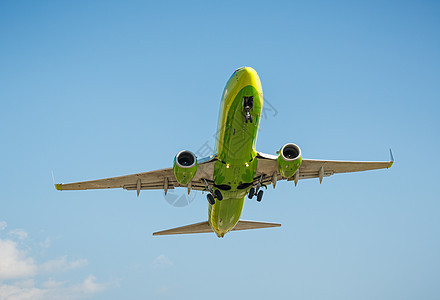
{"points": [[248, 103]]}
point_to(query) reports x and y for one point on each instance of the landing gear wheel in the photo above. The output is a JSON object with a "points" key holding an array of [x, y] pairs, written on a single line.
{"points": [[251, 193], [259, 196], [211, 199], [218, 195]]}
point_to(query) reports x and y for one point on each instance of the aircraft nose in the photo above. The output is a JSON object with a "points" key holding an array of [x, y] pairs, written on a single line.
{"points": [[245, 73]]}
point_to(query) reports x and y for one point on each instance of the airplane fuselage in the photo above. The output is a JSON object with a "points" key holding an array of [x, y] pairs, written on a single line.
{"points": [[236, 166], [231, 174]]}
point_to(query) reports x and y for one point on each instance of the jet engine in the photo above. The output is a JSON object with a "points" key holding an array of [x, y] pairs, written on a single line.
{"points": [[289, 160], [185, 167]]}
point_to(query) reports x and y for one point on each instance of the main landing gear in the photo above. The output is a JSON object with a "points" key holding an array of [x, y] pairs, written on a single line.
{"points": [[211, 199], [248, 103], [212, 194], [256, 191]]}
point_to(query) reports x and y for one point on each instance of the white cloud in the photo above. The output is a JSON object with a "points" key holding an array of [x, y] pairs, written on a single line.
{"points": [[168, 290], [3, 225], [163, 290], [162, 261], [19, 292], [14, 263], [52, 283], [19, 268], [45, 244], [52, 289], [19, 233], [90, 286], [62, 264]]}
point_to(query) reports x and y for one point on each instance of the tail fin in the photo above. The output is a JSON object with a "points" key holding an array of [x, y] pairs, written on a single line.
{"points": [[204, 227]]}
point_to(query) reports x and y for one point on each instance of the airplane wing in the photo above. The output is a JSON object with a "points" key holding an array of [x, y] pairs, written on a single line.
{"points": [[153, 180], [313, 168]]}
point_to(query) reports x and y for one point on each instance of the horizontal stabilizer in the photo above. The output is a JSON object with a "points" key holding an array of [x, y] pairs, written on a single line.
{"points": [[244, 225], [204, 227], [201, 227]]}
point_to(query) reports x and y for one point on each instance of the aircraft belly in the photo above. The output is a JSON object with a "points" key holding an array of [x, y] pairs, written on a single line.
{"points": [[236, 166], [225, 214]]}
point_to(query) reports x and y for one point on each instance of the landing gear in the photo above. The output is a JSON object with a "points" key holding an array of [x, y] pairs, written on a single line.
{"points": [[251, 193], [212, 194], [211, 199], [260, 196], [248, 103], [256, 191], [218, 195]]}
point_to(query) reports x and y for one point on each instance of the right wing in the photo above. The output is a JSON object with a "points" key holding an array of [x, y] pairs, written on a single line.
{"points": [[153, 180], [312, 168]]}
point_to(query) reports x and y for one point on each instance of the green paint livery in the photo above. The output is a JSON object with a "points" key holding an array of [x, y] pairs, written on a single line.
{"points": [[184, 172], [235, 148], [236, 169]]}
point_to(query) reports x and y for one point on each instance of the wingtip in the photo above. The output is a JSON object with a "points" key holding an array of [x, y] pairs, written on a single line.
{"points": [[391, 159], [59, 186]]}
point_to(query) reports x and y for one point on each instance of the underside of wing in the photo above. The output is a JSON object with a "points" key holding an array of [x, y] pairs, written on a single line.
{"points": [[311, 168], [158, 179]]}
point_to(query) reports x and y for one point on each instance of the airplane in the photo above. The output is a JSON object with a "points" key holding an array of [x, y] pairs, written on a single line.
{"points": [[236, 170]]}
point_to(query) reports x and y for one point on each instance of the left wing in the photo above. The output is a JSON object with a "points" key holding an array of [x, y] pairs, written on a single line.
{"points": [[153, 180], [312, 168]]}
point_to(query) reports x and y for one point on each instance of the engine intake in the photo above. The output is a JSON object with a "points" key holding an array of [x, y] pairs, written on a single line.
{"points": [[289, 160], [185, 167]]}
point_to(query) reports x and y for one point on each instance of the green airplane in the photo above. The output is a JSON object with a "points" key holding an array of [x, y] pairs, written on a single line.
{"points": [[236, 170]]}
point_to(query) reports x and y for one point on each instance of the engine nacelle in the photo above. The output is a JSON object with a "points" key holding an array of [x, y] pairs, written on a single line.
{"points": [[185, 167], [289, 160]]}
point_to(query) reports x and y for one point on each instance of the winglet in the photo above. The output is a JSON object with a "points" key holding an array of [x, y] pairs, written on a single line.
{"points": [[392, 159], [58, 186]]}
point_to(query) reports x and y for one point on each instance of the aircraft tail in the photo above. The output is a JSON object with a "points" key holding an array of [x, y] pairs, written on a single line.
{"points": [[204, 227]]}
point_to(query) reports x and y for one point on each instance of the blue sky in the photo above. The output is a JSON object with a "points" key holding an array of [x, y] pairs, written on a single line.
{"points": [[92, 89]]}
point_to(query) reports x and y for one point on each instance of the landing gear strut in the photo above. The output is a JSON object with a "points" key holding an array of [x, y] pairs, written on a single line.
{"points": [[256, 191], [212, 194], [248, 103]]}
